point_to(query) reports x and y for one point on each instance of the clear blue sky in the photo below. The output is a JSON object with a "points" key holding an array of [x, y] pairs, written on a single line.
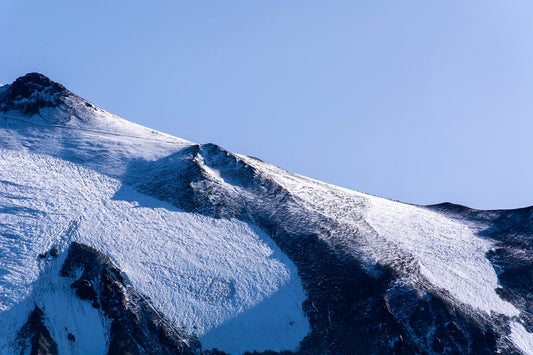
{"points": [[419, 101]]}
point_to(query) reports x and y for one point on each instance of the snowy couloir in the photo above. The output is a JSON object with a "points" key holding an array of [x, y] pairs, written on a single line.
{"points": [[117, 239]]}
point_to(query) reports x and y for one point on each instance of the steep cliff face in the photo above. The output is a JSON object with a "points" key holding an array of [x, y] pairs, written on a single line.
{"points": [[158, 244]]}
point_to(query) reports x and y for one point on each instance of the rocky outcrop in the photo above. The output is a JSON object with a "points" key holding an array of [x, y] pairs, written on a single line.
{"points": [[31, 92], [136, 327], [34, 338]]}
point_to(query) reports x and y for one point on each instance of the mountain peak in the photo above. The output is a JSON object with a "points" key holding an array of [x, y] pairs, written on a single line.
{"points": [[31, 92], [27, 85]]}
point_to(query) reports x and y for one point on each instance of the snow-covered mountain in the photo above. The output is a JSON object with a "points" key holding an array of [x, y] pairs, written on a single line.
{"points": [[119, 239]]}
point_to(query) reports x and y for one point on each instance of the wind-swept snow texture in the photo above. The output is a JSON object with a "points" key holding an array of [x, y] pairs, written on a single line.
{"points": [[199, 271], [245, 255]]}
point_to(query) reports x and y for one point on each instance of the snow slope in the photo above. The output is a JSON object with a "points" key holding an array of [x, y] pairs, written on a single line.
{"points": [[62, 173], [199, 271], [88, 135]]}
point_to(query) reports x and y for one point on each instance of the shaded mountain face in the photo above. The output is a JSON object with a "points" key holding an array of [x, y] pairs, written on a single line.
{"points": [[159, 245]]}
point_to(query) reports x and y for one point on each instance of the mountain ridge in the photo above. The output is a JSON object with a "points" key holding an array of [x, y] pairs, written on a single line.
{"points": [[358, 273]]}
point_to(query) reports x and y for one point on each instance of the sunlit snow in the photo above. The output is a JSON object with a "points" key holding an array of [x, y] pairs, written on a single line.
{"points": [[213, 277]]}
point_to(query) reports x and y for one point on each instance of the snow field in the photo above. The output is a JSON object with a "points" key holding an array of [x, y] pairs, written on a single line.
{"points": [[521, 338], [99, 140], [198, 271], [448, 252]]}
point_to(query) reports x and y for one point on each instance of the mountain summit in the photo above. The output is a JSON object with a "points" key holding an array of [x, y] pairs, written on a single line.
{"points": [[32, 92], [119, 239]]}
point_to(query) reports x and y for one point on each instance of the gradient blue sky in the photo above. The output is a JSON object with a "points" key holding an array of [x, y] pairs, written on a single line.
{"points": [[418, 101]]}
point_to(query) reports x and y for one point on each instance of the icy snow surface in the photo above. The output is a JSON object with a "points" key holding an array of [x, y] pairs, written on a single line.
{"points": [[199, 271], [521, 338], [448, 252], [86, 135]]}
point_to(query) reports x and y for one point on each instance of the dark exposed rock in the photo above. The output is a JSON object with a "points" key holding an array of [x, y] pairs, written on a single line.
{"points": [[54, 252], [26, 85], [85, 290], [32, 92], [451, 207], [136, 327], [35, 335], [512, 258], [71, 337], [182, 180]]}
